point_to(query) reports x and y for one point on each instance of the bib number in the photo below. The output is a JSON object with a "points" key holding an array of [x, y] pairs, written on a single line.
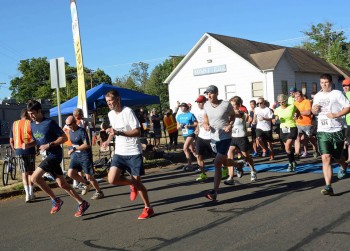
{"points": [[184, 131], [235, 132], [213, 146], [324, 123], [285, 129]]}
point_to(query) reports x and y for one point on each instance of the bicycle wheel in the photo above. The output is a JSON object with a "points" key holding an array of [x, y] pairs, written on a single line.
{"points": [[5, 173], [14, 168]]}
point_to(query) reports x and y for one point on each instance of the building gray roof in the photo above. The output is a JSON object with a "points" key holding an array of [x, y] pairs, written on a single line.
{"points": [[266, 56]]}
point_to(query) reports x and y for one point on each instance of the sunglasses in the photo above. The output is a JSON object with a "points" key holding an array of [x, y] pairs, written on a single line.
{"points": [[281, 102], [346, 85]]}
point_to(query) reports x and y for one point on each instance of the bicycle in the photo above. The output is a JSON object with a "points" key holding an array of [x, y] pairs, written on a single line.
{"points": [[9, 168]]}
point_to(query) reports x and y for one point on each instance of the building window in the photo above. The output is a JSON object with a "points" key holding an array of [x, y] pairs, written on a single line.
{"points": [[230, 91], [303, 88], [284, 87], [314, 87], [257, 89]]}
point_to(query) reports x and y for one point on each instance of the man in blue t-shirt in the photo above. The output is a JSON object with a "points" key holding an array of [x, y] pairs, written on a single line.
{"points": [[48, 136], [187, 123], [81, 158]]}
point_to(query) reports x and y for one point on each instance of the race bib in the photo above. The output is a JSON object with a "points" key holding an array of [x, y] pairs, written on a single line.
{"points": [[235, 132], [184, 131], [324, 123], [285, 129], [213, 146], [77, 151], [43, 154]]}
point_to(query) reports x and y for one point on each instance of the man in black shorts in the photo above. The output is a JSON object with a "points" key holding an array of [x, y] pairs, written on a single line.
{"points": [[48, 136]]}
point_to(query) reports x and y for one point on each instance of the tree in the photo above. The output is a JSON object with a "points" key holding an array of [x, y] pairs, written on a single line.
{"points": [[34, 82], [139, 74], [99, 76], [328, 44]]}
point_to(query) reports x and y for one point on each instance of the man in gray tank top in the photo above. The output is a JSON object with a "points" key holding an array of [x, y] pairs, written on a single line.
{"points": [[218, 119]]}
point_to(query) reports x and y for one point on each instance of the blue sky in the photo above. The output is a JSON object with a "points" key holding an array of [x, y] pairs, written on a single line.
{"points": [[115, 34]]}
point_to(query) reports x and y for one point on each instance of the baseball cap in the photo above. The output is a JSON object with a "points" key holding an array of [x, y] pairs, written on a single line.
{"points": [[201, 99], [212, 88], [292, 89], [346, 81], [184, 105]]}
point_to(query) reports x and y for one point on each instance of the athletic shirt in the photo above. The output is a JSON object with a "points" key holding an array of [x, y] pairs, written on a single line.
{"points": [[347, 117], [330, 102], [186, 118], [47, 131], [286, 116], [78, 137], [239, 127], [203, 134], [219, 117], [266, 112], [303, 120], [125, 120]]}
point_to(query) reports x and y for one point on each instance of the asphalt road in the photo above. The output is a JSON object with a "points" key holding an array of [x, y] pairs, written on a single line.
{"points": [[281, 211]]}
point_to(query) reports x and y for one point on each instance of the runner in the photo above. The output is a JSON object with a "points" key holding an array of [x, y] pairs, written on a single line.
{"points": [[262, 118], [288, 129], [187, 123], [81, 158], [239, 140], [128, 152], [304, 124], [346, 88], [330, 106], [203, 138], [48, 136], [19, 134], [218, 119]]}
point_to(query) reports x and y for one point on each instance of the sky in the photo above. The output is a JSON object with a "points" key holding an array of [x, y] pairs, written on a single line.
{"points": [[115, 33]]}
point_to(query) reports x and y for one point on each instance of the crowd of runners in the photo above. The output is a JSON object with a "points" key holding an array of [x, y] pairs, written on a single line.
{"points": [[217, 128]]}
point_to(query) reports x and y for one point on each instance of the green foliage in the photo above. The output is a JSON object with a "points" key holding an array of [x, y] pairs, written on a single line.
{"points": [[328, 44]]}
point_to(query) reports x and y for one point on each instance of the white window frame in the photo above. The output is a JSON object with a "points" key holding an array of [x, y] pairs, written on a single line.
{"points": [[229, 93], [256, 91]]}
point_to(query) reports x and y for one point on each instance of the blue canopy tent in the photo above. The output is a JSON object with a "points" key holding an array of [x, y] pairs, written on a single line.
{"points": [[129, 98]]}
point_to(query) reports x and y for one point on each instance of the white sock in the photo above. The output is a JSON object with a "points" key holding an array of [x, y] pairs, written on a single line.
{"points": [[75, 183], [26, 189], [31, 190]]}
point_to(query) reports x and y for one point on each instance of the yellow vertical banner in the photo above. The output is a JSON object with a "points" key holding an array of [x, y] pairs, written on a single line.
{"points": [[79, 59]]}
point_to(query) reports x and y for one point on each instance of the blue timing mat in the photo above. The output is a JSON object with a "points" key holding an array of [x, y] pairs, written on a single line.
{"points": [[282, 167]]}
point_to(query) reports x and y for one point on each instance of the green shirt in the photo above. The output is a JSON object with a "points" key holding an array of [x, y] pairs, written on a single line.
{"points": [[347, 117], [286, 116]]}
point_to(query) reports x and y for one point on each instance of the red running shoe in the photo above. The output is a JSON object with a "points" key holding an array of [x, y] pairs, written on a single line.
{"points": [[133, 193], [82, 208], [146, 213], [56, 205]]}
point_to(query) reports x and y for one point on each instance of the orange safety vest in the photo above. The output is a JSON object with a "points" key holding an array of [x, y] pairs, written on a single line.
{"points": [[66, 131], [170, 124], [22, 133]]}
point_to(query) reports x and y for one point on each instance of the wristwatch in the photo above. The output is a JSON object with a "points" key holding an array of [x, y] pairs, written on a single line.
{"points": [[74, 149]]}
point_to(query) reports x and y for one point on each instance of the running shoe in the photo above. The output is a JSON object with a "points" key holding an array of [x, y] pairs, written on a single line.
{"points": [[82, 208], [239, 155], [224, 173], [202, 177], [133, 193], [32, 197], [290, 167], [263, 154], [211, 195], [272, 157], [294, 164], [197, 171], [239, 173], [27, 198], [255, 154], [86, 188], [328, 190], [98, 195], [56, 205], [315, 154], [229, 182], [304, 155], [253, 176], [188, 168], [341, 173], [146, 213]]}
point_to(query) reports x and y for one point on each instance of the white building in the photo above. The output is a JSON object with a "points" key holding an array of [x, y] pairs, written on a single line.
{"points": [[247, 69]]}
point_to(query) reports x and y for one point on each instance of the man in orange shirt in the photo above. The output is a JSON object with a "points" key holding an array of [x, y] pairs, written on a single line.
{"points": [[304, 124], [22, 133]]}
